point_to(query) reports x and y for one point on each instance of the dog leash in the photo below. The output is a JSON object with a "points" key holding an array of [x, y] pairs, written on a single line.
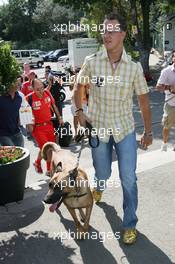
{"points": [[81, 135], [79, 153]]}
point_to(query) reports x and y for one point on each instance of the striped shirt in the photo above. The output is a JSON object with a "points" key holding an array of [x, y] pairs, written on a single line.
{"points": [[110, 94]]}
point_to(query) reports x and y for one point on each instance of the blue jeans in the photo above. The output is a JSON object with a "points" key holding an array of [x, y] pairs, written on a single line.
{"points": [[15, 140], [126, 151]]}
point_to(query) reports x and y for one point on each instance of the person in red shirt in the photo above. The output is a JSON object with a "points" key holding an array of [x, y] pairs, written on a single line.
{"points": [[42, 130], [27, 86]]}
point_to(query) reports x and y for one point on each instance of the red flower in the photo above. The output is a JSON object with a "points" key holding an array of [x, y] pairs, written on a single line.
{"points": [[10, 154]]}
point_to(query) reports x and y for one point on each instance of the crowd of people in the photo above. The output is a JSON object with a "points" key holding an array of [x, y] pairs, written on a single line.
{"points": [[41, 98]]}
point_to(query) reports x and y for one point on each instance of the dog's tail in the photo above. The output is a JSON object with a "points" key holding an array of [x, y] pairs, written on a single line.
{"points": [[49, 145]]}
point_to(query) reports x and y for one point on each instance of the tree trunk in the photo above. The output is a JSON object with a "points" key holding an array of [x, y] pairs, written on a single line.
{"points": [[142, 38], [144, 55], [144, 60]]}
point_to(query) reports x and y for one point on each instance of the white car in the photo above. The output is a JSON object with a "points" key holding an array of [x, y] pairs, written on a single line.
{"points": [[28, 56], [63, 62]]}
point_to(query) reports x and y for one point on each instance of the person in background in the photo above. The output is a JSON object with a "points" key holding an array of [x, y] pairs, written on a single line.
{"points": [[42, 130], [27, 86], [166, 83], [25, 111], [48, 73], [26, 68], [10, 103], [54, 86]]}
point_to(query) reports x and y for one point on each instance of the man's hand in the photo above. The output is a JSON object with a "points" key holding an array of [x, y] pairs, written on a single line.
{"points": [[146, 140], [162, 87], [82, 118], [172, 88], [61, 122], [30, 128]]}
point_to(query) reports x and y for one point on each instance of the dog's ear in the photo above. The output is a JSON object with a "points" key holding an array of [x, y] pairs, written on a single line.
{"points": [[49, 145], [58, 167], [72, 176], [59, 164], [45, 149]]}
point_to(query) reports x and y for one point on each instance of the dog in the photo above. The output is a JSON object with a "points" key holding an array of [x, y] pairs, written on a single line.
{"points": [[69, 186]]}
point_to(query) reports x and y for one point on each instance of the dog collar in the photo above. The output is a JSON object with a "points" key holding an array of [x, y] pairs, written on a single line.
{"points": [[76, 195]]}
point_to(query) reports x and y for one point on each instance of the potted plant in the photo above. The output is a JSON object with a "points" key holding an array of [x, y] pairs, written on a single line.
{"points": [[14, 162]]}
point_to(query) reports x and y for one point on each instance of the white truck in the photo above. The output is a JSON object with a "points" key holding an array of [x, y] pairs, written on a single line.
{"points": [[169, 35], [80, 48]]}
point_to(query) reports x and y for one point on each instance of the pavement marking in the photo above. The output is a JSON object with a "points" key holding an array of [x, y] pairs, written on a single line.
{"points": [[154, 159], [37, 185], [145, 162]]}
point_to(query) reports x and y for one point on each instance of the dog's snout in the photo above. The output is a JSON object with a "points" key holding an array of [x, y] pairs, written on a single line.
{"points": [[46, 200]]}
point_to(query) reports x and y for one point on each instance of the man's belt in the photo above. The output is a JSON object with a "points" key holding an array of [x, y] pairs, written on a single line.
{"points": [[42, 124]]}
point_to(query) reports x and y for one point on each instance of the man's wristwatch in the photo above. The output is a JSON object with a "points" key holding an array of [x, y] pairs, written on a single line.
{"points": [[78, 110]]}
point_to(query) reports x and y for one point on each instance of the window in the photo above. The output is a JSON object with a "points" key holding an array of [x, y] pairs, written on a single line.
{"points": [[35, 55], [25, 53], [168, 26], [16, 54]]}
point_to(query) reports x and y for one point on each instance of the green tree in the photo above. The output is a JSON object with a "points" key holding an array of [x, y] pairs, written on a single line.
{"points": [[138, 18], [95, 10], [9, 69], [31, 23], [17, 20], [50, 16]]}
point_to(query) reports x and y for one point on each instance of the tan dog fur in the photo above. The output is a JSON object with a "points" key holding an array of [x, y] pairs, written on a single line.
{"points": [[52, 153]]}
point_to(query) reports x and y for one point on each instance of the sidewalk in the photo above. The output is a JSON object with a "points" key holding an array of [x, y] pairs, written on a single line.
{"points": [[31, 234]]}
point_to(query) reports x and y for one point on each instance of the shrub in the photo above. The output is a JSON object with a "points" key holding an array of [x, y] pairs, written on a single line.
{"points": [[9, 69]]}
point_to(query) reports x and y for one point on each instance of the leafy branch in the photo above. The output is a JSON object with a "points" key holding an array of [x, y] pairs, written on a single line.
{"points": [[9, 69]]}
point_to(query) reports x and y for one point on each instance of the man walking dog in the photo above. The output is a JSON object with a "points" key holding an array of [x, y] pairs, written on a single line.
{"points": [[113, 79]]}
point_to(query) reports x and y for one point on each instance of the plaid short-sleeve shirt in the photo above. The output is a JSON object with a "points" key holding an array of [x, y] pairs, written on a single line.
{"points": [[110, 94]]}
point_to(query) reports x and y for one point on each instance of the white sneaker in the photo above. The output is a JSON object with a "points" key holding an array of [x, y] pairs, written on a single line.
{"points": [[164, 147]]}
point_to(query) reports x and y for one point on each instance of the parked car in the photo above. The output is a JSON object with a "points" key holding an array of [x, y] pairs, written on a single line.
{"points": [[41, 53], [58, 53], [28, 56], [46, 56], [63, 62]]}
